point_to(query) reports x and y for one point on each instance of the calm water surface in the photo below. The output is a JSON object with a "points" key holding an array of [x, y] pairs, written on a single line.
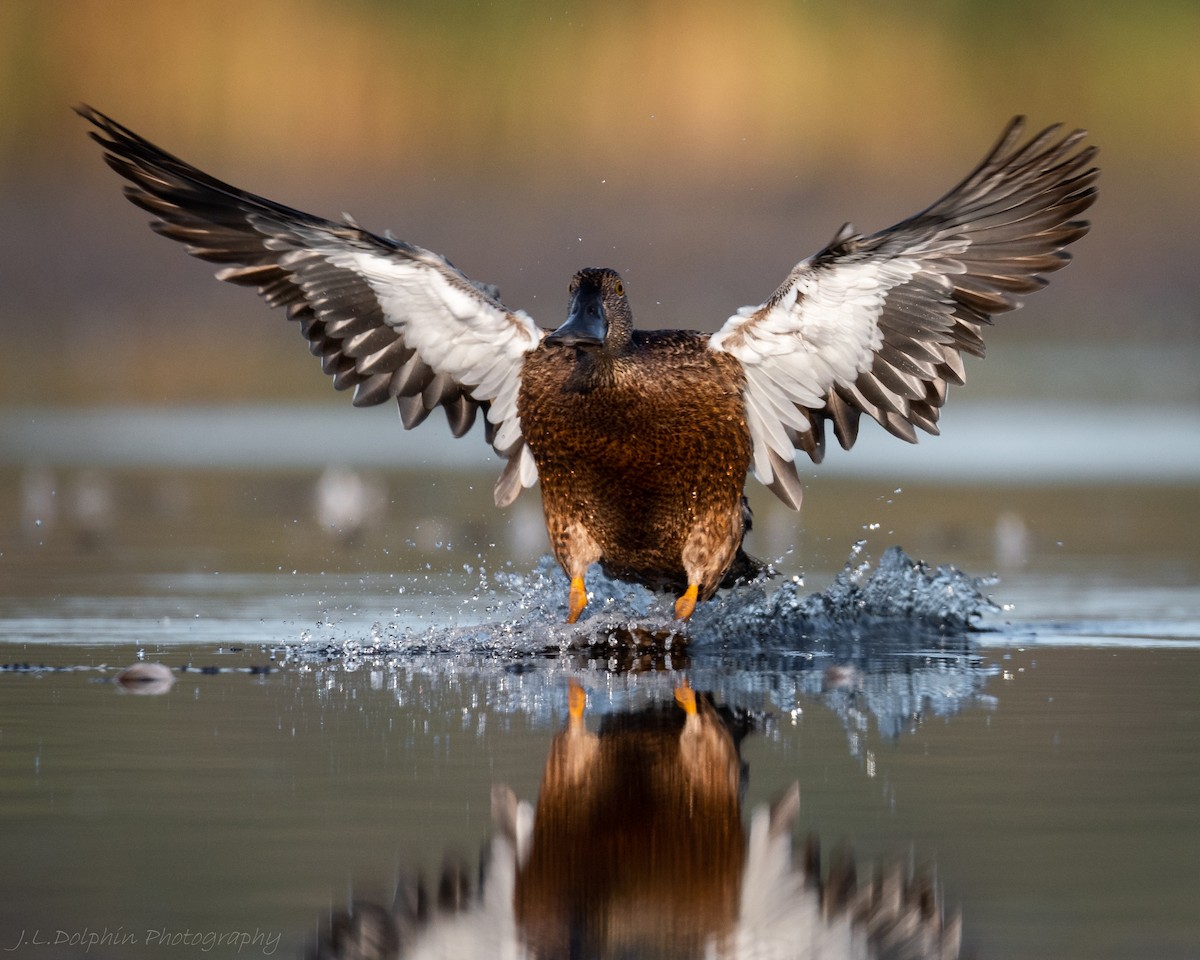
{"points": [[1047, 768]]}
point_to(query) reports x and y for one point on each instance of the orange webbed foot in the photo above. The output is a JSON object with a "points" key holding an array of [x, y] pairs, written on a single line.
{"points": [[686, 604], [576, 700], [576, 599], [685, 696]]}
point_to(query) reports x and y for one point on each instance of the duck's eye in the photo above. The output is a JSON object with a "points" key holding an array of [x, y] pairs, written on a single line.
{"points": [[620, 288]]}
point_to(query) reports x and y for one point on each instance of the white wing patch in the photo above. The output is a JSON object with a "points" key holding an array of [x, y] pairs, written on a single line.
{"points": [[878, 324], [818, 330], [457, 330]]}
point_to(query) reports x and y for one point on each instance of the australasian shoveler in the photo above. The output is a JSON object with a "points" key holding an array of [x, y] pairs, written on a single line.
{"points": [[642, 440]]}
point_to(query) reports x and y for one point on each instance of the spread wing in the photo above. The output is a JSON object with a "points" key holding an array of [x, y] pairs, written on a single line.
{"points": [[879, 324], [390, 319]]}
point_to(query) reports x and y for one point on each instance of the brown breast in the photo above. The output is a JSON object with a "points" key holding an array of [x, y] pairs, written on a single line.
{"points": [[643, 448]]}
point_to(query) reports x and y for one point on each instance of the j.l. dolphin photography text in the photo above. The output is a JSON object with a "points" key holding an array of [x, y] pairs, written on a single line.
{"points": [[85, 939]]}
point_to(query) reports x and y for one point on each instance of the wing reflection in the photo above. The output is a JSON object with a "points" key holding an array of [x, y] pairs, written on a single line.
{"points": [[636, 849]]}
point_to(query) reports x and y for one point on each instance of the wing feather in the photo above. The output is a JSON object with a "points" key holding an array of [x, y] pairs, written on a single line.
{"points": [[389, 319], [879, 324]]}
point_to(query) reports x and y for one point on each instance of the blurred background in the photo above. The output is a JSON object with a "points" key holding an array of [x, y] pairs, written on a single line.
{"points": [[701, 148]]}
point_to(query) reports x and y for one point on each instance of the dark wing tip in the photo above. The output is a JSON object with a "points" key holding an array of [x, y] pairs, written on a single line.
{"points": [[785, 483], [88, 112], [110, 132]]}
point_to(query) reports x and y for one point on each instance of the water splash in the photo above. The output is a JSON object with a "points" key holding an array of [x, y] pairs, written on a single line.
{"points": [[902, 598], [893, 642]]}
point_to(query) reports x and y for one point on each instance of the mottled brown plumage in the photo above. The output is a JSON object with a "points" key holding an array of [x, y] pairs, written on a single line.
{"points": [[641, 444]]}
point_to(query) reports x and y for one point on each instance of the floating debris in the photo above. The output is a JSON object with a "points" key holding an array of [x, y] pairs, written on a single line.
{"points": [[137, 674], [254, 670], [47, 668], [146, 678]]}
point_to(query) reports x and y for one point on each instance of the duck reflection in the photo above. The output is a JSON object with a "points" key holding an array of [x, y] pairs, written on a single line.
{"points": [[636, 849], [657, 788]]}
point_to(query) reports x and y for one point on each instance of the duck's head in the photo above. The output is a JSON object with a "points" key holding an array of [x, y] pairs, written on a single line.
{"points": [[599, 318]]}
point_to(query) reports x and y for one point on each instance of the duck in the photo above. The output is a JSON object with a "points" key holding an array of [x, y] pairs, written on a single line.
{"points": [[642, 441]]}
